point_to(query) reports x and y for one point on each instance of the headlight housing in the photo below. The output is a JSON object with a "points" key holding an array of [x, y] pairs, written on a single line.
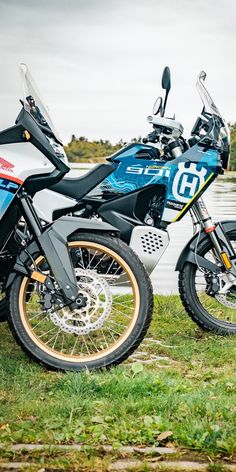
{"points": [[58, 149]]}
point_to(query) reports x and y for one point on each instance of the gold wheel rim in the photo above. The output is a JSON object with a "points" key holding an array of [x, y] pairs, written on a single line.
{"points": [[115, 345]]}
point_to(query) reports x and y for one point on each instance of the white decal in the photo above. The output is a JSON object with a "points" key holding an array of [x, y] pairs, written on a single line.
{"points": [[152, 171], [134, 170], [8, 185], [187, 181]]}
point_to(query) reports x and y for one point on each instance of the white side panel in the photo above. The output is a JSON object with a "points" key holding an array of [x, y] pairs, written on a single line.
{"points": [[47, 201], [25, 160], [169, 214]]}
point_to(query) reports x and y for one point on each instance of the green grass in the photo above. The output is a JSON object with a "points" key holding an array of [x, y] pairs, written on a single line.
{"points": [[193, 394]]}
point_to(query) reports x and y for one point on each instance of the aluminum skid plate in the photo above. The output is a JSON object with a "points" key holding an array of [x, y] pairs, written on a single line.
{"points": [[149, 244]]}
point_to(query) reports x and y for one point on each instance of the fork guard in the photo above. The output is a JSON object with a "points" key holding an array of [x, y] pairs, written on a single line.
{"points": [[53, 242], [188, 253]]}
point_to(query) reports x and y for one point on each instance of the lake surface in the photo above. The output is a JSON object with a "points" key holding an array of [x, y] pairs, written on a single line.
{"points": [[220, 200]]}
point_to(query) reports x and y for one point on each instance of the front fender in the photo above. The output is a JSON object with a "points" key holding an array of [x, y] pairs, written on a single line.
{"points": [[54, 236], [67, 225], [188, 253]]}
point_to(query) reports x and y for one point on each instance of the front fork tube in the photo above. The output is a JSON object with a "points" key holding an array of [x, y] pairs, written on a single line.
{"points": [[55, 249], [220, 240]]}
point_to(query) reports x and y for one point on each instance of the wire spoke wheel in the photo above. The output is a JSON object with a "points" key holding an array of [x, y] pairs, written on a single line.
{"points": [[222, 307], [109, 307], [199, 289]]}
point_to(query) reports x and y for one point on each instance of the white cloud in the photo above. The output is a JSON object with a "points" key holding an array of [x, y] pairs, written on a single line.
{"points": [[99, 63]]}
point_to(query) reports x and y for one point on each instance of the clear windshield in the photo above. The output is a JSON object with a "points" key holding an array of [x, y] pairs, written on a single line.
{"points": [[221, 133], [34, 102], [207, 101]]}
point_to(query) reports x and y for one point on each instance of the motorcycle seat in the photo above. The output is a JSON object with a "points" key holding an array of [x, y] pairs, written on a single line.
{"points": [[78, 187]]}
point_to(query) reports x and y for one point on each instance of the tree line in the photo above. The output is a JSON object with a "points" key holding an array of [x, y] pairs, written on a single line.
{"points": [[233, 147], [82, 150]]}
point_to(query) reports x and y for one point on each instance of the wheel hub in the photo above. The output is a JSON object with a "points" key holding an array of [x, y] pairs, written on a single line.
{"points": [[222, 289], [81, 301]]}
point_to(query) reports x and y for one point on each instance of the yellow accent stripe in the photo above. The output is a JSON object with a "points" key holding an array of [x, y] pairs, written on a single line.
{"points": [[194, 196]]}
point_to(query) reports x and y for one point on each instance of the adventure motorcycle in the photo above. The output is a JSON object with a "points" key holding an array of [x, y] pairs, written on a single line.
{"points": [[79, 297], [146, 186]]}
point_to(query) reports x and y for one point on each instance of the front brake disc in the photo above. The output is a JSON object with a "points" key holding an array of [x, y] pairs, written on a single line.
{"points": [[228, 300], [96, 290]]}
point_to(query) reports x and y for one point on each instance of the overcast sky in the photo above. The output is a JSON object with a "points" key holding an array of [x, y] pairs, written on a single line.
{"points": [[98, 63]]}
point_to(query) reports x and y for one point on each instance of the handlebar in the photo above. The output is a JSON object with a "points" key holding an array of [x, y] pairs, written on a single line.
{"points": [[152, 137]]}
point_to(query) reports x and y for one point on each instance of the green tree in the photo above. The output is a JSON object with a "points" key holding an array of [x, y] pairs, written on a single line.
{"points": [[82, 150], [233, 147]]}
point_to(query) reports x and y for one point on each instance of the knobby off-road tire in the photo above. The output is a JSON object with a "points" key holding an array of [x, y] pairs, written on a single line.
{"points": [[121, 332], [4, 309], [205, 310]]}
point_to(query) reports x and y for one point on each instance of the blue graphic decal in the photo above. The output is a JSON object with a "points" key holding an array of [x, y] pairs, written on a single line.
{"points": [[182, 177], [8, 190]]}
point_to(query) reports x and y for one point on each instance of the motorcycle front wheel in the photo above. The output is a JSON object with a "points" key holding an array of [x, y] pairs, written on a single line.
{"points": [[114, 314], [212, 312]]}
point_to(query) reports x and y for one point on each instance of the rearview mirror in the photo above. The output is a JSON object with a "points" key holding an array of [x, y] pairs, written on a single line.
{"points": [[202, 75], [166, 81], [157, 107], [166, 84]]}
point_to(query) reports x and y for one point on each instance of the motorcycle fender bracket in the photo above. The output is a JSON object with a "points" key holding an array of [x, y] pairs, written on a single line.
{"points": [[188, 254], [53, 241], [200, 261]]}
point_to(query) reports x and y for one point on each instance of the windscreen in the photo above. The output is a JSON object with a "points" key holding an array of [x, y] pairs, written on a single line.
{"points": [[34, 102], [207, 101], [222, 132]]}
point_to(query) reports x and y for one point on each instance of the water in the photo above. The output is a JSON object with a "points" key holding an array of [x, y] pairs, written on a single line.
{"points": [[220, 200]]}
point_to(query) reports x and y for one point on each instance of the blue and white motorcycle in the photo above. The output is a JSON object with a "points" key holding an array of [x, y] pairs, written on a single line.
{"points": [[146, 186], [77, 297]]}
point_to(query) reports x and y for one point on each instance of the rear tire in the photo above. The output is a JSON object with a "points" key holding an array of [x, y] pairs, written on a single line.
{"points": [[124, 340]]}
